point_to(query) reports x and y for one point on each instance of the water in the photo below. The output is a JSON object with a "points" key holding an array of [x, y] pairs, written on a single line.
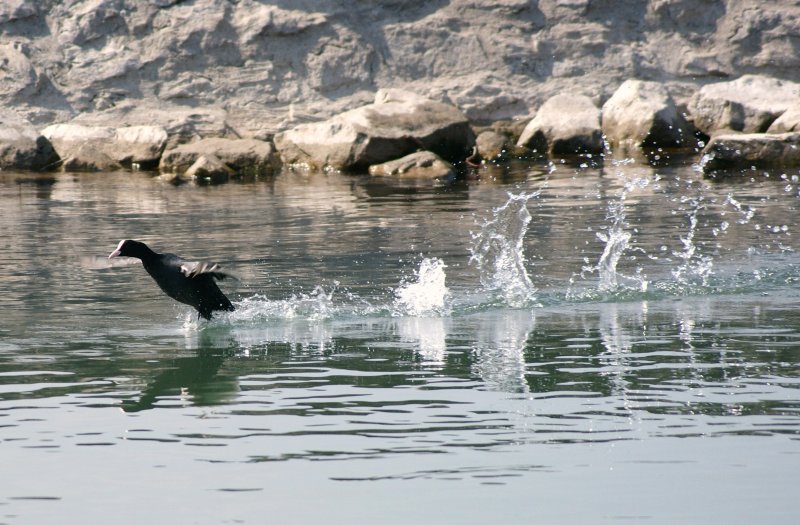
{"points": [[571, 345]]}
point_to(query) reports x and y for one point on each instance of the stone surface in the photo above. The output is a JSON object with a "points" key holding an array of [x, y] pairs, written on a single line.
{"points": [[422, 164], [788, 121], [748, 104], [209, 169], [140, 144], [244, 156], [87, 157], [22, 147], [396, 124], [643, 114], [271, 66], [748, 150], [566, 124], [123, 146]]}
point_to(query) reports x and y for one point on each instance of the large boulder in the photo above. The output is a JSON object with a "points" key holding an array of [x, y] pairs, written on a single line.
{"points": [[422, 164], [748, 150], [748, 104], [22, 147], [140, 144], [566, 124], [642, 114], [245, 156], [396, 124], [94, 148]]}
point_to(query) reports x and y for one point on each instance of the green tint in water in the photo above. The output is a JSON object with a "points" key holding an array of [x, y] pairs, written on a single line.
{"points": [[382, 365]]}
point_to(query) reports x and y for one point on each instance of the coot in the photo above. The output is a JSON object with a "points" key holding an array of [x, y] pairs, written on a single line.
{"points": [[191, 283]]}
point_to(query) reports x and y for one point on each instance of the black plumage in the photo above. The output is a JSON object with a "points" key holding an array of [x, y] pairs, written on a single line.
{"points": [[191, 283]]}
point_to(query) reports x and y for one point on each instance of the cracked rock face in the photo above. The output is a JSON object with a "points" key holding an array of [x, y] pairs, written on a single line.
{"points": [[270, 67]]}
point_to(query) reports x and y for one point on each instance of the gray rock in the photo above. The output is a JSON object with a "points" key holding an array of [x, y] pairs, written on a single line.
{"points": [[209, 169], [748, 104], [124, 146], [422, 164], [643, 114], [18, 77], [566, 124], [140, 144], [271, 65], [87, 157], [244, 156], [747, 150], [396, 124], [498, 147], [788, 121], [22, 147]]}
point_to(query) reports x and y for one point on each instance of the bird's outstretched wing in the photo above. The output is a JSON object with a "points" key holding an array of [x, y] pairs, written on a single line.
{"points": [[198, 268]]}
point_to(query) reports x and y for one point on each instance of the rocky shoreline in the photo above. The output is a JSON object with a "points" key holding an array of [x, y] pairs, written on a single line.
{"points": [[331, 84], [751, 122]]}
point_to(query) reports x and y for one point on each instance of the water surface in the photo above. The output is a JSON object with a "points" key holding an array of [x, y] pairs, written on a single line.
{"points": [[552, 344]]}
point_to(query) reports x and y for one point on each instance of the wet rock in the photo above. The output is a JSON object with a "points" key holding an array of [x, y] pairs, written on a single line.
{"points": [[748, 104], [422, 164], [643, 114], [244, 156], [209, 169], [22, 147], [748, 150], [566, 124], [396, 124], [498, 147]]}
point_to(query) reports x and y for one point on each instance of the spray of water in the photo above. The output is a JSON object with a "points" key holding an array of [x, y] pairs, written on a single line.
{"points": [[498, 253], [696, 268], [427, 294], [617, 241], [317, 305]]}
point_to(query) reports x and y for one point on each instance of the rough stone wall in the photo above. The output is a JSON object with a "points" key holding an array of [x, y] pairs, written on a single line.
{"points": [[267, 66]]}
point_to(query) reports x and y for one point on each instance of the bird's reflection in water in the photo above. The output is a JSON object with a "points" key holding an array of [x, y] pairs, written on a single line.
{"points": [[195, 378]]}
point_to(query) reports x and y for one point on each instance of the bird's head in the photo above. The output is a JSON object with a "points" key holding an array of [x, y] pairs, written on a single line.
{"points": [[129, 248]]}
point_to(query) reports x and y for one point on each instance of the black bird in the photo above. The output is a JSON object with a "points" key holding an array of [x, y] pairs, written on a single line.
{"points": [[191, 283]]}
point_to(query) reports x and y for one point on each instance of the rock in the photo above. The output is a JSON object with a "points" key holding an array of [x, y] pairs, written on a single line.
{"points": [[246, 156], [124, 146], [395, 125], [265, 62], [565, 125], [643, 114], [18, 77], [422, 164], [83, 148], [88, 157], [141, 145], [22, 147], [788, 121], [748, 104], [209, 169], [744, 151], [497, 147]]}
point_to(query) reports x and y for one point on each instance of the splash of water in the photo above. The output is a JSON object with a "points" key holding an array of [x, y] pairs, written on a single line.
{"points": [[498, 253], [427, 294], [617, 241], [696, 268], [317, 305]]}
